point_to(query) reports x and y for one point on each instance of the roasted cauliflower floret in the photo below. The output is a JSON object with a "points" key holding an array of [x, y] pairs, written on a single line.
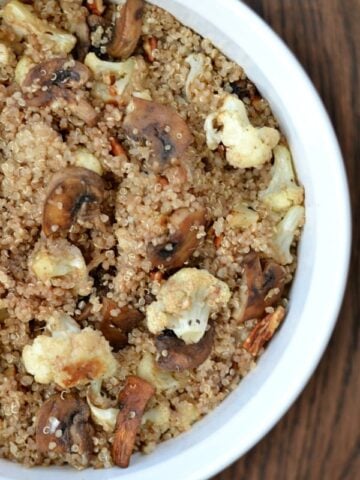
{"points": [[61, 260], [101, 412], [69, 357], [283, 191], [85, 159], [285, 232], [185, 302], [197, 64], [246, 146], [24, 22], [117, 81]]}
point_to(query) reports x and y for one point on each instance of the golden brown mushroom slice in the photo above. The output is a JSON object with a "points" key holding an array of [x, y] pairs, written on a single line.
{"points": [[176, 355], [117, 323], [179, 247], [54, 80], [265, 284], [68, 193], [133, 400], [161, 126], [264, 331], [61, 72], [63, 423], [127, 30]]}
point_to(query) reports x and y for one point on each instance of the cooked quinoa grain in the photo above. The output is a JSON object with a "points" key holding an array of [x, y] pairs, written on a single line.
{"points": [[167, 237]]}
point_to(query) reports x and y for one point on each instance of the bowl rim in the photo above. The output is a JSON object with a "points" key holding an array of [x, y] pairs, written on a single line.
{"points": [[202, 468]]}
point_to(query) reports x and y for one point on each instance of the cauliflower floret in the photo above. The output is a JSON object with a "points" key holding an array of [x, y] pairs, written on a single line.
{"points": [[71, 356], [160, 416], [246, 146], [117, 81], [197, 63], [184, 304], [242, 216], [60, 259], [160, 379], [23, 67], [85, 159], [22, 19], [103, 415], [284, 236], [282, 192]]}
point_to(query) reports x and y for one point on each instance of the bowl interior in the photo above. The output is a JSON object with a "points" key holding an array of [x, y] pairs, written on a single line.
{"points": [[265, 394]]}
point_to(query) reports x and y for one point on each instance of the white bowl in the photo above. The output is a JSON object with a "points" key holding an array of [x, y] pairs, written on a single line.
{"points": [[264, 395]]}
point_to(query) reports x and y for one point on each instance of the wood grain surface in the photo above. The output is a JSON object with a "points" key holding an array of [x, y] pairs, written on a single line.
{"points": [[319, 438]]}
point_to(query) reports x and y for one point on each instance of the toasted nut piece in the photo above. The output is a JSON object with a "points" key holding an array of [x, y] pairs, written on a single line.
{"points": [[176, 355], [127, 30], [118, 322], [133, 400], [116, 148], [162, 127], [60, 71], [68, 192], [64, 422], [149, 45], [179, 247], [96, 7], [265, 285], [264, 331]]}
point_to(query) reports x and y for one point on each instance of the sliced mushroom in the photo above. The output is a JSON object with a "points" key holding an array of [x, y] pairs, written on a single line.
{"points": [[264, 331], [61, 72], [127, 30], [63, 423], [162, 127], [117, 323], [69, 191], [265, 284], [179, 247], [133, 400], [176, 355]]}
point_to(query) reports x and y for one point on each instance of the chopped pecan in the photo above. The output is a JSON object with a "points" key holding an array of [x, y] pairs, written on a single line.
{"points": [[149, 45], [133, 400], [264, 331]]}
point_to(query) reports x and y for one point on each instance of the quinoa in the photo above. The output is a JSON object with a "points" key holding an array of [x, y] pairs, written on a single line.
{"points": [[38, 142]]}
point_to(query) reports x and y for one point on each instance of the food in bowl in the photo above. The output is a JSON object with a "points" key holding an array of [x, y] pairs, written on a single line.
{"points": [[150, 220]]}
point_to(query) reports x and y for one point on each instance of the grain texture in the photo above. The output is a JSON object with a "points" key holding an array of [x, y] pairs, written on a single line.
{"points": [[319, 438]]}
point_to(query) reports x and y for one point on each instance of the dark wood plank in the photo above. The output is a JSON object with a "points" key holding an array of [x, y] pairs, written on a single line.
{"points": [[319, 438]]}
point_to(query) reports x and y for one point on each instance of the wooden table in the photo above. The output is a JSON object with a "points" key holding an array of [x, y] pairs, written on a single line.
{"points": [[319, 438]]}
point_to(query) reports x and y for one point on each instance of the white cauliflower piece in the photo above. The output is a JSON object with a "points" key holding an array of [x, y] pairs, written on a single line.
{"points": [[282, 192], [284, 235], [83, 158], [158, 416], [197, 63], [160, 379], [60, 259], [117, 81], [71, 356], [246, 146], [24, 22], [185, 302], [102, 415], [242, 216]]}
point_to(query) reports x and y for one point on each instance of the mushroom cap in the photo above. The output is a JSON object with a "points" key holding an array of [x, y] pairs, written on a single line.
{"points": [[127, 30], [176, 355], [68, 191], [69, 415], [162, 127], [179, 247]]}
